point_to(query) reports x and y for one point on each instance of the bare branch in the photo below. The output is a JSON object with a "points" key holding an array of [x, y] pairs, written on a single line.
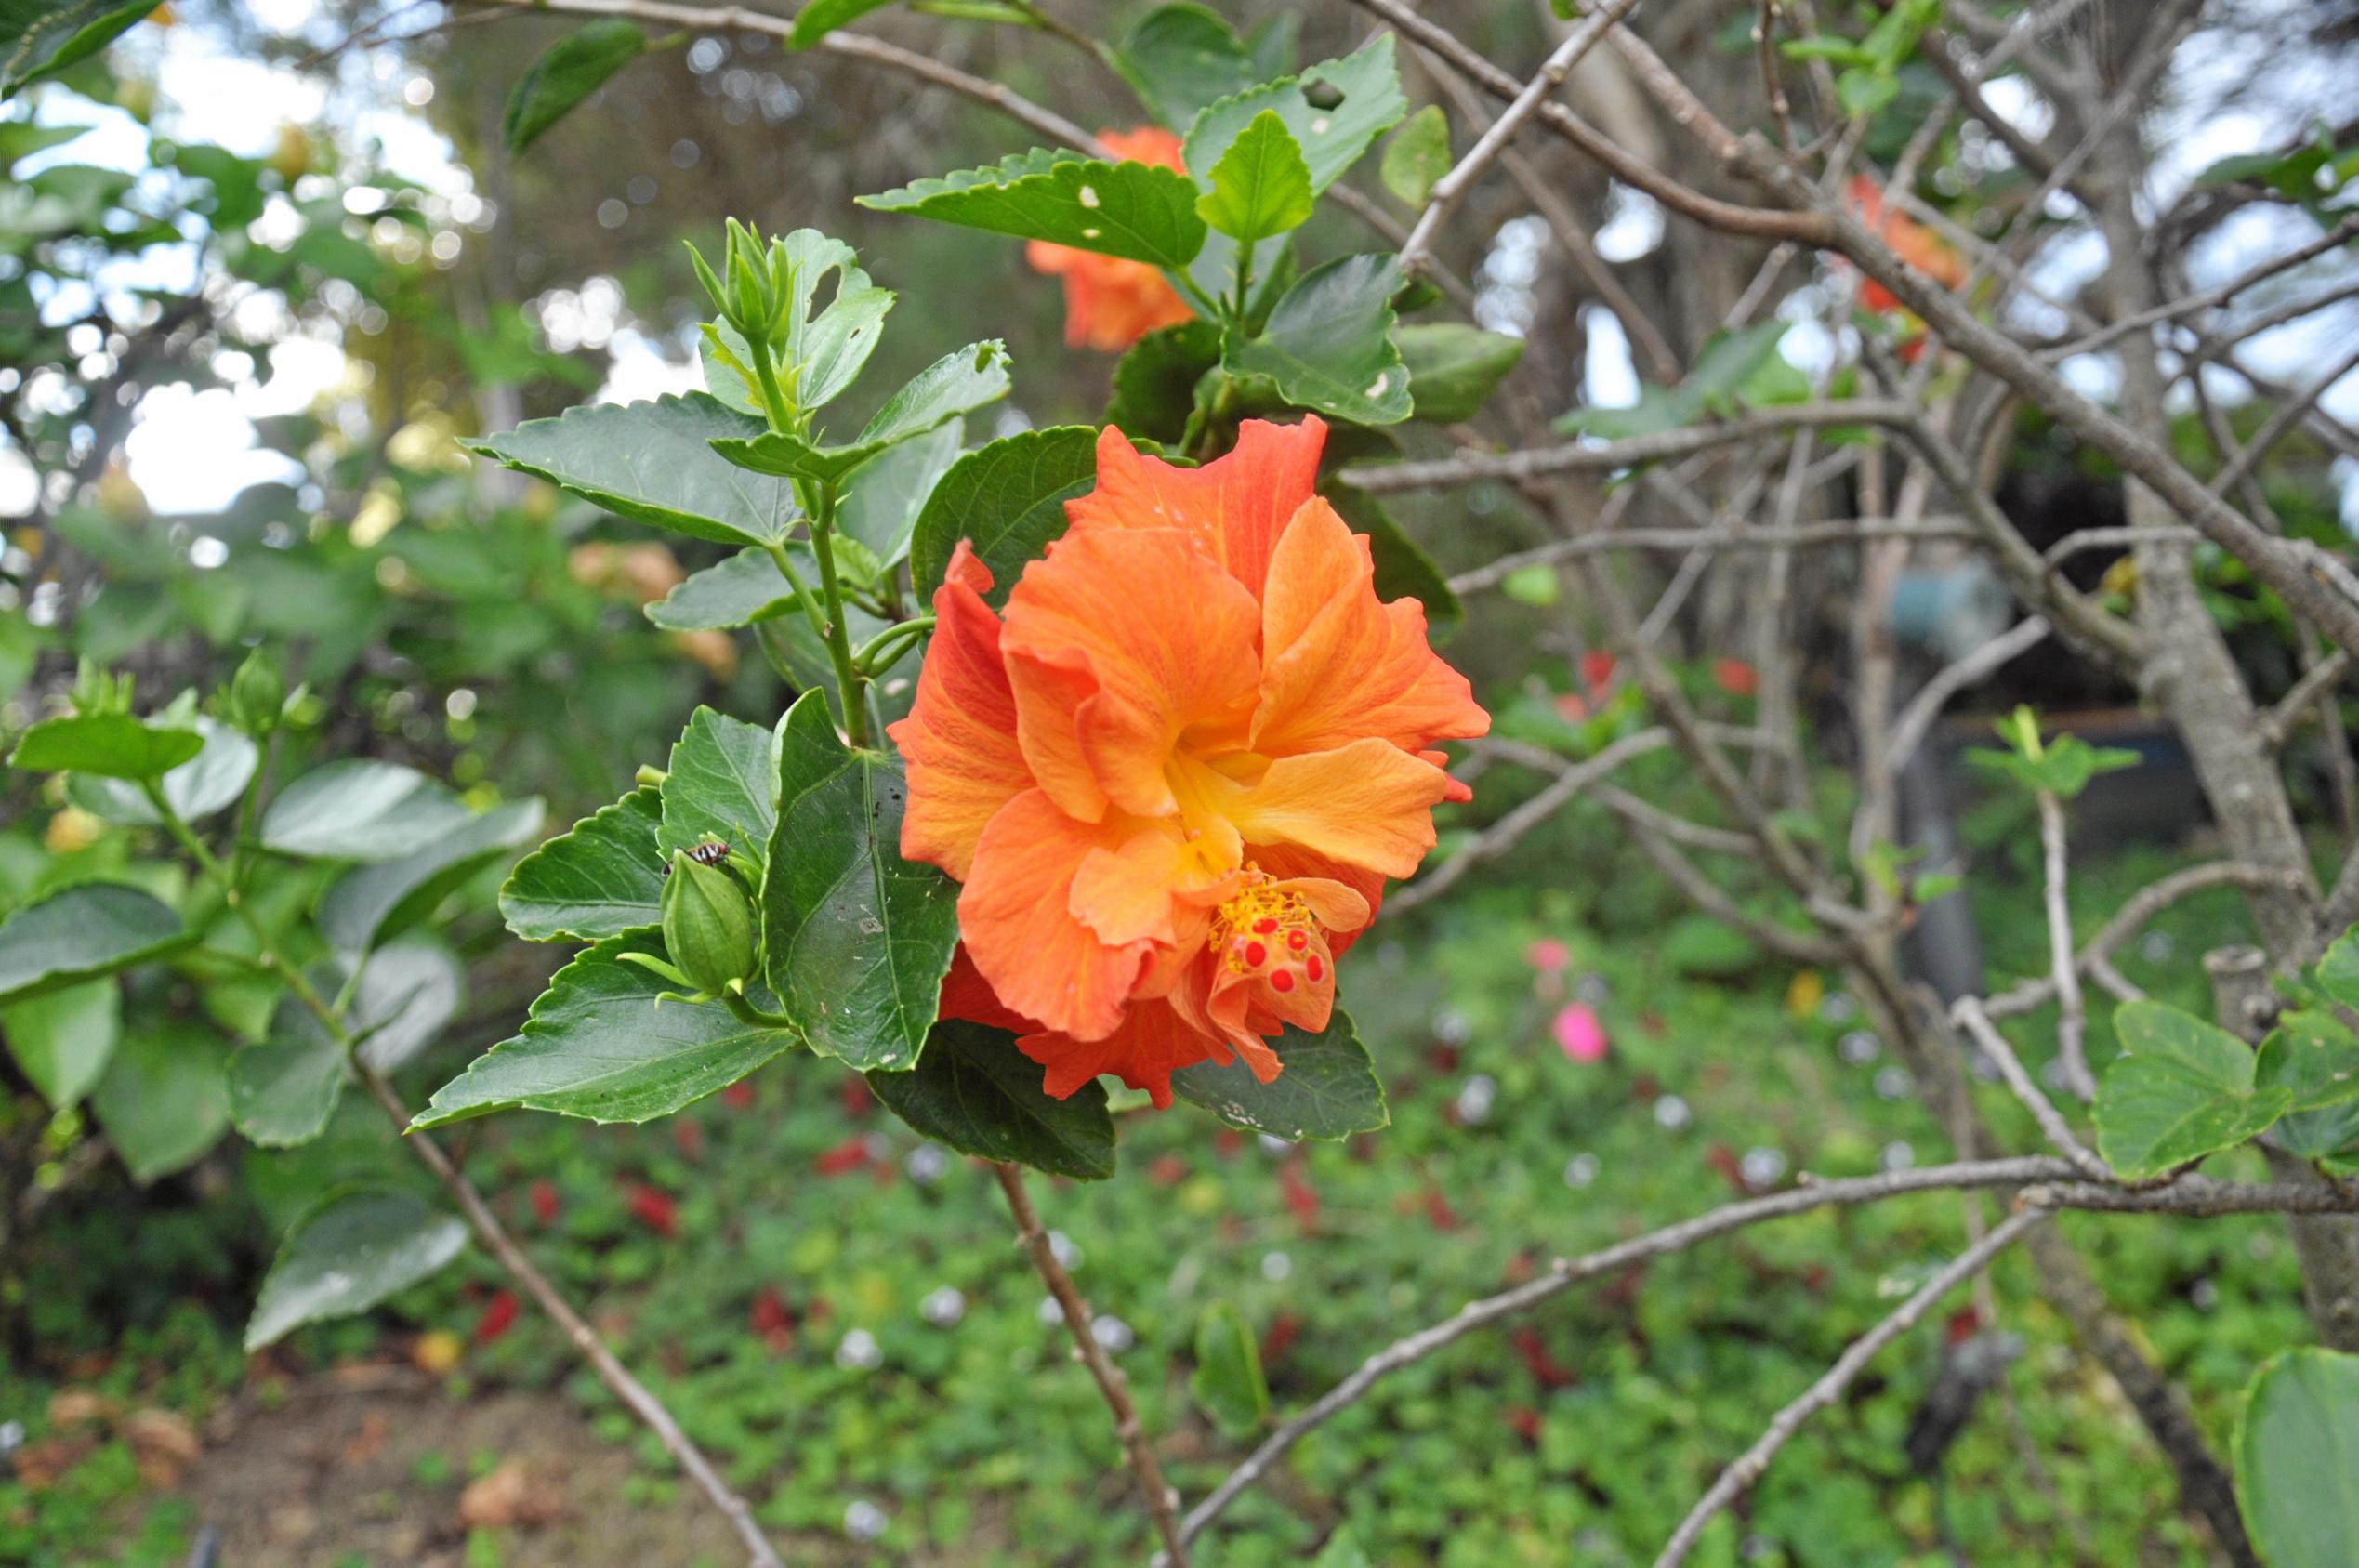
{"points": [[2280, 722], [2071, 1024], [1798, 537], [1916, 719], [2331, 240], [1968, 1014]]}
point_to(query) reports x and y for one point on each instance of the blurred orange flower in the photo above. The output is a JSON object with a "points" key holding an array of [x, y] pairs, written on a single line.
{"points": [[1110, 302], [1174, 776]]}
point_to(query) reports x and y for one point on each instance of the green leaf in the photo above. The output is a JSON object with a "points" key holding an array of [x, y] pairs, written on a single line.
{"points": [[62, 1041], [958, 383], [360, 810], [564, 75], [113, 746], [161, 1102], [820, 18], [1155, 382], [1452, 368], [359, 1247], [1008, 500], [1327, 1090], [855, 939], [210, 781], [973, 1091], [1260, 186], [884, 496], [1227, 1383], [1126, 209], [1328, 344], [2184, 1090], [599, 1046], [741, 590], [42, 37], [601, 878], [2313, 1058], [408, 992], [2338, 971], [828, 350], [2297, 1460], [785, 456], [1402, 571], [654, 463], [1361, 101], [77, 932], [720, 783], [282, 1091], [1865, 92], [1342, 1551], [1179, 59], [372, 903], [1418, 156]]}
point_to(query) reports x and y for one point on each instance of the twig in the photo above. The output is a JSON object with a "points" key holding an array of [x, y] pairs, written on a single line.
{"points": [[1112, 1383], [2289, 414], [1801, 535], [1565, 1273], [2072, 1022], [1968, 1014], [2332, 239], [2280, 722], [1916, 719], [2200, 1197], [1829, 1388]]}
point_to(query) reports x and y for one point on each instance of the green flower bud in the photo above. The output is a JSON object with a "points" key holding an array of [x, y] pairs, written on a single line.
{"points": [[708, 925], [257, 695]]}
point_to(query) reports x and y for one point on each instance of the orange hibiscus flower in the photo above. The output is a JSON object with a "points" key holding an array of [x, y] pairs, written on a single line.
{"points": [[1110, 302], [1174, 776], [1911, 241]]}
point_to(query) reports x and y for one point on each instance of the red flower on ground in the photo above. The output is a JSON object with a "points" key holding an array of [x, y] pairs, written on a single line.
{"points": [[657, 1209], [1174, 776], [1111, 302], [499, 1316]]}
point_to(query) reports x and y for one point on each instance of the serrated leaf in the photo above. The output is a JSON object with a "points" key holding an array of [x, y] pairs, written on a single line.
{"points": [[973, 1091], [883, 497], [1228, 1382], [1365, 88], [1007, 499], [282, 1091], [1182, 57], [1327, 1091], [62, 1041], [2338, 971], [1328, 344], [855, 939], [1418, 156], [42, 37], [1402, 571], [566, 73], [777, 455], [654, 463], [1260, 186], [2297, 1460], [161, 1102], [1128, 209], [721, 782], [77, 932], [958, 383], [599, 1046], [1454, 368], [207, 783], [1155, 382], [112, 745], [360, 810], [601, 878], [2184, 1090], [358, 1247], [372, 903], [741, 590], [2314, 1058]]}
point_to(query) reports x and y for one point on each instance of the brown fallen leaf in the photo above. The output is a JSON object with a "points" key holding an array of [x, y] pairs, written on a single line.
{"points": [[39, 1464], [164, 1443], [511, 1495], [367, 1442], [74, 1407]]}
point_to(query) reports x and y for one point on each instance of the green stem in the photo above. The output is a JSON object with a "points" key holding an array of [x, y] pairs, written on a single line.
{"points": [[745, 1012], [1244, 282], [850, 682], [781, 416], [803, 596], [870, 655]]}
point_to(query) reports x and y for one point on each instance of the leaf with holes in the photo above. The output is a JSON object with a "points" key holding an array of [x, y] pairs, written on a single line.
{"points": [[602, 877], [1327, 1091], [1132, 210], [973, 1091], [1333, 111], [1328, 344], [1008, 500], [855, 939], [357, 1248]]}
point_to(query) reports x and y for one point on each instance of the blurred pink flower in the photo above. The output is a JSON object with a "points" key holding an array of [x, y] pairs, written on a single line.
{"points": [[1548, 955], [1579, 1033]]}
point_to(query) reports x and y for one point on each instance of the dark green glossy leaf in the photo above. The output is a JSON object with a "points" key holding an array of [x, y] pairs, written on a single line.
{"points": [[2184, 1090], [113, 746], [1228, 1382], [1418, 156], [1126, 209], [74, 934], [1260, 186], [1008, 500], [372, 903], [739, 591], [1154, 383], [207, 783], [601, 878], [2297, 1460], [855, 939], [654, 463], [160, 1103], [568, 72], [1454, 368], [62, 1041], [600, 1047], [975, 1092], [359, 1247], [1328, 344], [1180, 58], [1327, 1091], [282, 1091], [360, 810], [721, 785]]}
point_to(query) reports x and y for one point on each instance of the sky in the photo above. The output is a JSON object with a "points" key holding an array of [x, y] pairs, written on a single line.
{"points": [[192, 451]]}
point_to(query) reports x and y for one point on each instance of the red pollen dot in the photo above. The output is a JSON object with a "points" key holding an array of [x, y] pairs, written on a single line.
{"points": [[1298, 940], [1265, 926], [1255, 955], [1283, 981], [1315, 969]]}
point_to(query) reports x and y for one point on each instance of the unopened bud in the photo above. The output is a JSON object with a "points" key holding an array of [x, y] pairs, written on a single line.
{"points": [[708, 925], [257, 695]]}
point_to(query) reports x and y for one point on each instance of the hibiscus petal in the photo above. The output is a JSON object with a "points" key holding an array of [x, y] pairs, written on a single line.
{"points": [[1235, 506], [1153, 1043], [1368, 805], [1340, 663], [1166, 639], [959, 743], [1016, 917], [965, 994]]}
